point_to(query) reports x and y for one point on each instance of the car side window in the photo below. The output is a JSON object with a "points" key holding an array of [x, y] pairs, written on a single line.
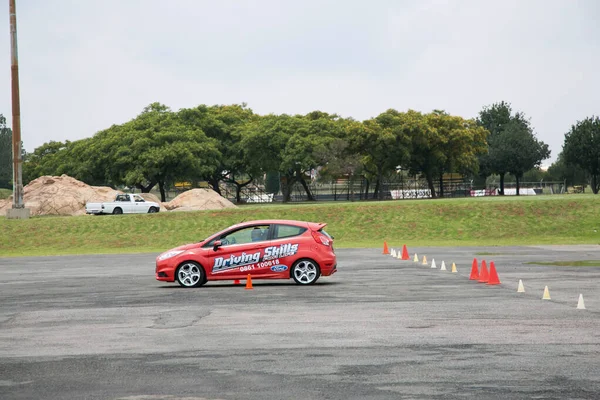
{"points": [[286, 231], [138, 199], [258, 233]]}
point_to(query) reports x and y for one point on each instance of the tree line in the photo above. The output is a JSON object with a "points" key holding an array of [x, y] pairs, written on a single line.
{"points": [[231, 143]]}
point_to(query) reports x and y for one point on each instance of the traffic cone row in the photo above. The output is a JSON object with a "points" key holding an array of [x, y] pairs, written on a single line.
{"points": [[483, 275], [546, 295]]}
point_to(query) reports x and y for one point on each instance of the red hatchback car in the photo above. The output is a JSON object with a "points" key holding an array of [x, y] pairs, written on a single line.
{"points": [[267, 249]]}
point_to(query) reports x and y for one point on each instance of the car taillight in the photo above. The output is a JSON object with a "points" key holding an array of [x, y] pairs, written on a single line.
{"points": [[320, 238]]}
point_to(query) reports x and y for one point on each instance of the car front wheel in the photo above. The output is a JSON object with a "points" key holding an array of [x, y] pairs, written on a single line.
{"points": [[305, 272], [190, 274]]}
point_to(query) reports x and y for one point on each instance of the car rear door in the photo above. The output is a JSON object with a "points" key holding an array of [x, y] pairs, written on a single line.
{"points": [[241, 253], [285, 242]]}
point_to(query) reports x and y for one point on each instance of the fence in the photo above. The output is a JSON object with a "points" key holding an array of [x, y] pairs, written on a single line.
{"points": [[395, 187]]}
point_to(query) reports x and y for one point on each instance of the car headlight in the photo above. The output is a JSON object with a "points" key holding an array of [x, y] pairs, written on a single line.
{"points": [[169, 254]]}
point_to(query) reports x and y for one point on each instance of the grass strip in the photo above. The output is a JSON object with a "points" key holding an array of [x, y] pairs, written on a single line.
{"points": [[501, 221], [581, 263]]}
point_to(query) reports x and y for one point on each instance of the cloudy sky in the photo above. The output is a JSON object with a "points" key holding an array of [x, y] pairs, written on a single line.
{"points": [[86, 65]]}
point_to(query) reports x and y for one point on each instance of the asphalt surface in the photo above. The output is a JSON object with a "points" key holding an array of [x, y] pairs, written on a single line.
{"points": [[101, 327]]}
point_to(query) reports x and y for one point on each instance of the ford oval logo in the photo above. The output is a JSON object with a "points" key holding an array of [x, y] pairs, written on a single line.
{"points": [[279, 268]]}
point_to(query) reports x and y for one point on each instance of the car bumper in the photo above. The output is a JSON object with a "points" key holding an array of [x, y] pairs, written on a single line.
{"points": [[164, 271], [328, 266]]}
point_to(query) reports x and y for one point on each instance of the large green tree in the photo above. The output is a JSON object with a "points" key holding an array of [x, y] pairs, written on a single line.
{"points": [[382, 144], [582, 148], [442, 143], [156, 149], [292, 145], [226, 124], [5, 154], [522, 150], [510, 134]]}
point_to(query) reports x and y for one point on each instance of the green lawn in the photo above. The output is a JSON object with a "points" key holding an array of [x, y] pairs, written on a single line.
{"points": [[560, 219], [582, 263]]}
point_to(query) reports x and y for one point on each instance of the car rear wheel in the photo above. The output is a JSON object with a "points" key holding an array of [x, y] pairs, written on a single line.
{"points": [[190, 274], [305, 272], [118, 211], [152, 210]]}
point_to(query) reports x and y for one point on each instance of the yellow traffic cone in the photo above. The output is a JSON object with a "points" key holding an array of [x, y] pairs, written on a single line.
{"points": [[546, 295], [416, 258], [425, 260], [454, 270]]}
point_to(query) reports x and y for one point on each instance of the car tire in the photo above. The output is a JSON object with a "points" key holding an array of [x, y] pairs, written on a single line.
{"points": [[190, 274], [152, 210], [305, 271], [118, 211]]}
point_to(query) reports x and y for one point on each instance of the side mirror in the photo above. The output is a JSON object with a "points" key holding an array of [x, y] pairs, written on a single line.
{"points": [[216, 245]]}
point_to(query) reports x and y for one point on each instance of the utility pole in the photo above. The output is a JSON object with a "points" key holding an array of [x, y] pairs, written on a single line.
{"points": [[18, 210]]}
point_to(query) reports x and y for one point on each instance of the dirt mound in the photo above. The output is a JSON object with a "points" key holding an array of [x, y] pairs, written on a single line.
{"points": [[198, 199], [59, 195]]}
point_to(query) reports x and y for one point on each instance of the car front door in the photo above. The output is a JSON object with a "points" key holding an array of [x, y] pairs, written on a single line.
{"points": [[241, 253]]}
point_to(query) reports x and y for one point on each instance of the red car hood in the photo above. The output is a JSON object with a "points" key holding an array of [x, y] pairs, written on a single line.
{"points": [[187, 247]]}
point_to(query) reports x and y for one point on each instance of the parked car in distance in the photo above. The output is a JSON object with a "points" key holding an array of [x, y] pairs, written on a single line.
{"points": [[264, 249], [123, 204]]}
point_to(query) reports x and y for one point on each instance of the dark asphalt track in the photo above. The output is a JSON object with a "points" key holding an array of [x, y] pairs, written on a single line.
{"points": [[101, 327]]}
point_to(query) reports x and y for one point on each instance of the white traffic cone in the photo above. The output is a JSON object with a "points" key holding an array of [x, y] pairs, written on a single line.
{"points": [[580, 303]]}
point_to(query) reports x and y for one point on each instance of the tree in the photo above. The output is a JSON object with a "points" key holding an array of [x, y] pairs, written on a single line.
{"points": [[156, 148], [51, 158], [292, 145], [509, 133], [443, 143], [582, 148], [561, 171], [382, 143], [226, 124], [5, 154], [521, 149]]}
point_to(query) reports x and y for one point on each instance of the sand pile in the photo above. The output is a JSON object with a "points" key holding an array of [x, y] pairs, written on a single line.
{"points": [[198, 199], [59, 195]]}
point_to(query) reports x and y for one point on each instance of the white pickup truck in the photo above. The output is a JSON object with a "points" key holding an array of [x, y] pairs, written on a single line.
{"points": [[123, 204]]}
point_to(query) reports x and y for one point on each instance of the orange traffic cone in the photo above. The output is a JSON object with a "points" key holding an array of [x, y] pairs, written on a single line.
{"points": [[249, 283], [385, 248], [474, 272], [494, 280], [483, 275], [236, 282], [405, 253]]}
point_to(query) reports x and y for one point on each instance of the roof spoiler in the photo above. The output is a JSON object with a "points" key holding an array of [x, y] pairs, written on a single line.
{"points": [[315, 226]]}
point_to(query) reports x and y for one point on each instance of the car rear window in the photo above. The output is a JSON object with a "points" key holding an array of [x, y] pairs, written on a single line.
{"points": [[326, 234], [286, 231]]}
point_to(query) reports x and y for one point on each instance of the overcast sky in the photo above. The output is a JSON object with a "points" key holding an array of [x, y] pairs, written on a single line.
{"points": [[88, 64]]}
